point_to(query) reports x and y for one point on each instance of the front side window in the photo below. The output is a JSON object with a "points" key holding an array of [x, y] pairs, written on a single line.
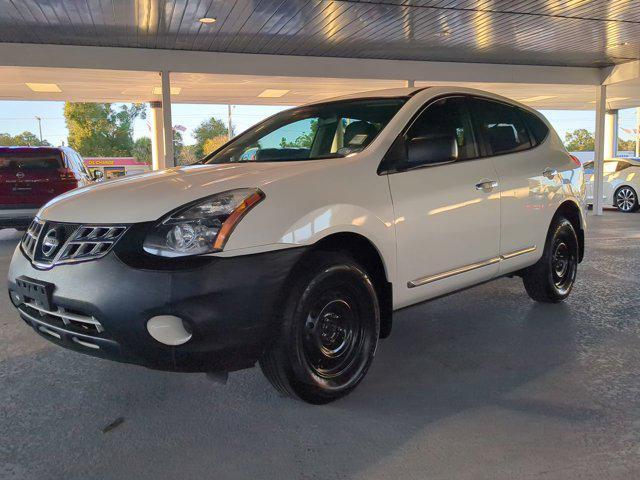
{"points": [[446, 118], [501, 126], [328, 130]]}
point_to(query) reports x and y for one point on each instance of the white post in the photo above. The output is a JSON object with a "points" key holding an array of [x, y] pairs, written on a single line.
{"points": [[637, 131], [611, 134], [598, 161], [157, 137], [166, 119]]}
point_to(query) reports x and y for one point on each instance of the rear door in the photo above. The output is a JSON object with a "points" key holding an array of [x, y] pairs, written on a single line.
{"points": [[528, 183], [30, 177]]}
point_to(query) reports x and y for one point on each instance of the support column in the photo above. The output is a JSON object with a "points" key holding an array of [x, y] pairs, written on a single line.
{"points": [[637, 131], [166, 119], [598, 161], [157, 137], [611, 134]]}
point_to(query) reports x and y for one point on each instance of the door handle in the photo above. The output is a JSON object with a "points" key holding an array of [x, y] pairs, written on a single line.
{"points": [[486, 185], [550, 173]]}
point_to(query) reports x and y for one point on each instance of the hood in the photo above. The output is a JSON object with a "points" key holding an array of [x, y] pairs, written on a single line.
{"points": [[149, 196]]}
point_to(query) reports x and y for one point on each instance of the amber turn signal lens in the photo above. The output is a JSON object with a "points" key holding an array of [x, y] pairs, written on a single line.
{"points": [[235, 217]]}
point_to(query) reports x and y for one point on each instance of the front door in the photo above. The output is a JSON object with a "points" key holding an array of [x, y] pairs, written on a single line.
{"points": [[447, 215]]}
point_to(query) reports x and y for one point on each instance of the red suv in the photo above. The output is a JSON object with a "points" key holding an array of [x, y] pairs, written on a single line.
{"points": [[31, 176]]}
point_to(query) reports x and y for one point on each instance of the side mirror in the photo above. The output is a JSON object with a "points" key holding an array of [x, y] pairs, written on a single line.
{"points": [[98, 175], [429, 149]]}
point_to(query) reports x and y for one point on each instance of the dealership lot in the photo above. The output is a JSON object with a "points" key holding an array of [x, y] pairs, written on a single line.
{"points": [[480, 384]]}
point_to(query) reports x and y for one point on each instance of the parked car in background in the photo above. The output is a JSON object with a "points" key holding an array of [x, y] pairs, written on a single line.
{"points": [[296, 254], [31, 176], [621, 183]]}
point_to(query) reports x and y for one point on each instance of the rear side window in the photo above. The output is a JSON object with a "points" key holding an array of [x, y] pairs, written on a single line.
{"points": [[501, 127], [537, 128], [30, 160]]}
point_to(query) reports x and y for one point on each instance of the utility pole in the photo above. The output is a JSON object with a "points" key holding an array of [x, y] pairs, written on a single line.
{"points": [[39, 126], [229, 123]]}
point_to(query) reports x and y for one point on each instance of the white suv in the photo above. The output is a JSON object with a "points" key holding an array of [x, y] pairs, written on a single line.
{"points": [[296, 255]]}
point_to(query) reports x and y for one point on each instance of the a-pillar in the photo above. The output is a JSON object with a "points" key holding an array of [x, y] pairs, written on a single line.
{"points": [[157, 137]]}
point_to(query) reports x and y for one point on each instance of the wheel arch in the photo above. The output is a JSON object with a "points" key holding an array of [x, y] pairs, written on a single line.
{"points": [[367, 254], [572, 212]]}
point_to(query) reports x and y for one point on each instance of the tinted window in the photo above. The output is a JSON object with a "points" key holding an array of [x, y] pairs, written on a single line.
{"points": [[536, 126], [622, 165], [588, 168], [447, 117], [327, 130], [30, 160], [501, 127]]}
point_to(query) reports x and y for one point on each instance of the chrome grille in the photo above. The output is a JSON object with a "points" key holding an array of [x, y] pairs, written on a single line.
{"points": [[30, 238], [74, 242]]}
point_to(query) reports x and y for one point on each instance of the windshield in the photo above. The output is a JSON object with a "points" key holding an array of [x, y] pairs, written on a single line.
{"points": [[26, 160], [327, 130]]}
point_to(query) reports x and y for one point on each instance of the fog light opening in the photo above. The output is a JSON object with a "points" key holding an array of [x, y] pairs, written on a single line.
{"points": [[169, 329]]}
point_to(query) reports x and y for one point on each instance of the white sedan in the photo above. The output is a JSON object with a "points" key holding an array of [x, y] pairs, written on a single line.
{"points": [[621, 183]]}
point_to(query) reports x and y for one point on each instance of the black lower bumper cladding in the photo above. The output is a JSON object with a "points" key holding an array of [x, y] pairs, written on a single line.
{"points": [[228, 303]]}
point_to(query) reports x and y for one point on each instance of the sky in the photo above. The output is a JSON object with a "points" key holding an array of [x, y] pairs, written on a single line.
{"points": [[18, 116]]}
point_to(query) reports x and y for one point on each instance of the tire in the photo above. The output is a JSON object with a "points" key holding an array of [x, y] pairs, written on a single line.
{"points": [[626, 199], [329, 331], [551, 279]]}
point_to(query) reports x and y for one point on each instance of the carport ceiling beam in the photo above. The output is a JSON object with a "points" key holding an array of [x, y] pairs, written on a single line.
{"points": [[138, 59]]}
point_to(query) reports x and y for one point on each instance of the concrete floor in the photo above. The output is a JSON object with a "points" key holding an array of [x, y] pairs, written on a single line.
{"points": [[484, 384]]}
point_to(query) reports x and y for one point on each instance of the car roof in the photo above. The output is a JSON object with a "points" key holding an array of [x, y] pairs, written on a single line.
{"points": [[8, 150], [632, 160]]}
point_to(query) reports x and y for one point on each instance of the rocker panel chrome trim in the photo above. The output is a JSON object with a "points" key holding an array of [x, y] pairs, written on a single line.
{"points": [[467, 268]]}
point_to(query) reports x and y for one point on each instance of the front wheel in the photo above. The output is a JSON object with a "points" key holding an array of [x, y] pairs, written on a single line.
{"points": [[329, 331], [626, 199], [551, 279]]}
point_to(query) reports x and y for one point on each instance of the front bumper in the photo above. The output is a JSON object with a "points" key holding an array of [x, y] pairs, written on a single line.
{"points": [[228, 303]]}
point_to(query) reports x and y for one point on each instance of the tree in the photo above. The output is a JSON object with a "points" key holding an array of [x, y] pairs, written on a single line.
{"points": [[24, 139], [98, 129], [626, 145], [580, 140], [209, 129], [212, 144], [141, 150], [187, 155]]}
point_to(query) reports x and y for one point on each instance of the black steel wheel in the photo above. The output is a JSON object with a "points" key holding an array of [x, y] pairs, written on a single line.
{"points": [[626, 199], [329, 332], [552, 277]]}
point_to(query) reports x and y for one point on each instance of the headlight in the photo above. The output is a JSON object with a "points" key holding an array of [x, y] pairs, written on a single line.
{"points": [[203, 226]]}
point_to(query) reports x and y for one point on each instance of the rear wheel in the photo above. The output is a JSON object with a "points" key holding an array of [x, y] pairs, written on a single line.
{"points": [[551, 279], [626, 199], [329, 333]]}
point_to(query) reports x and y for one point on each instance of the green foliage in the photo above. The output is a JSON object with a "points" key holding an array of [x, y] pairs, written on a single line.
{"points": [[209, 129], [579, 140], [141, 150], [100, 130], [303, 141], [24, 139], [626, 145]]}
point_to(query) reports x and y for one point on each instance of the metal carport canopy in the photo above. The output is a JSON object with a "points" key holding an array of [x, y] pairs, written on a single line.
{"points": [[552, 54]]}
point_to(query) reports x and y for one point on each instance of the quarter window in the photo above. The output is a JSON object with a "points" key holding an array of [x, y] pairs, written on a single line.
{"points": [[537, 127], [447, 117], [501, 127]]}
